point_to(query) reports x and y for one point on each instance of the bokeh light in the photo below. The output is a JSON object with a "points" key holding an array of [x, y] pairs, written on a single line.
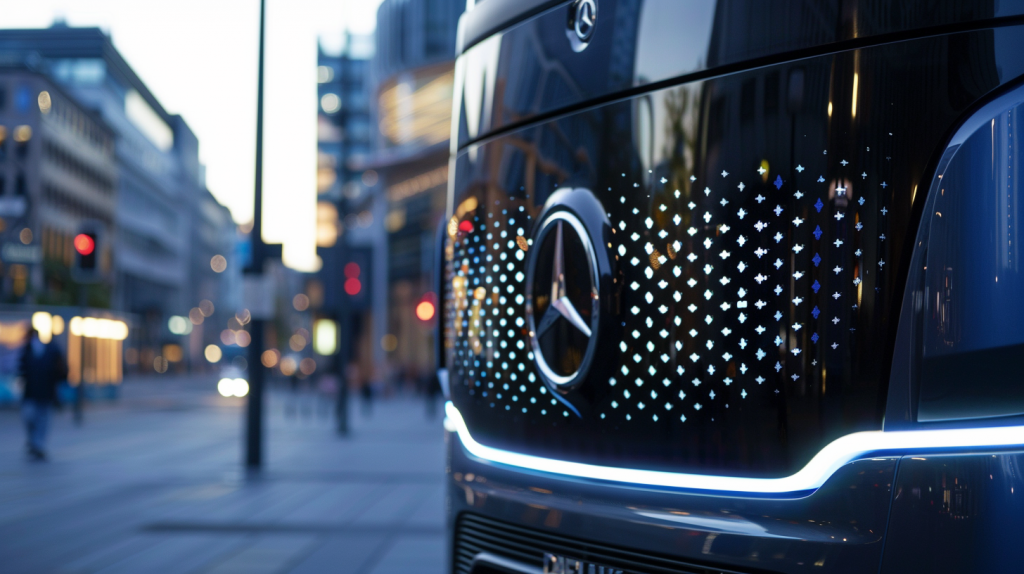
{"points": [[425, 311], [213, 353], [218, 263], [269, 358], [288, 366]]}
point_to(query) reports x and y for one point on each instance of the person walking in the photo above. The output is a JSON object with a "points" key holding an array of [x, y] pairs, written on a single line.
{"points": [[42, 368]]}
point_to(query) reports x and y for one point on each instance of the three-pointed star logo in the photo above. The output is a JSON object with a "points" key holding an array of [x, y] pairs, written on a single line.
{"points": [[561, 306]]}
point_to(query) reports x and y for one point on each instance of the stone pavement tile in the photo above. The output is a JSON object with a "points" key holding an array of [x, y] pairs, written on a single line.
{"points": [[46, 538], [284, 497], [339, 504], [430, 511], [419, 554], [394, 507], [178, 554], [266, 554], [96, 558], [344, 554]]}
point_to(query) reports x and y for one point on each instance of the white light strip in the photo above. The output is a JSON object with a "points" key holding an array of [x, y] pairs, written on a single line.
{"points": [[836, 454]]}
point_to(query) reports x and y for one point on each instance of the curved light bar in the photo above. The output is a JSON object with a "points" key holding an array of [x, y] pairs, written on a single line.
{"points": [[836, 454]]}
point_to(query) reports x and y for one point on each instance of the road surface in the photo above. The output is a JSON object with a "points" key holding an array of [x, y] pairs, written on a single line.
{"points": [[153, 483]]}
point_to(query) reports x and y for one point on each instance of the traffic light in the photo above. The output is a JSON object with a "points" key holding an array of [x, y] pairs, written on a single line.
{"points": [[87, 249], [357, 279], [352, 283], [426, 308], [85, 245]]}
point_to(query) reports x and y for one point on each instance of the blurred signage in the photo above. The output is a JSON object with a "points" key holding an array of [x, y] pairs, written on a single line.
{"points": [[18, 253], [12, 206], [258, 295]]}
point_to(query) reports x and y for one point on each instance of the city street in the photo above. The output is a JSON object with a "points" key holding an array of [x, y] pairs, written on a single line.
{"points": [[153, 483]]}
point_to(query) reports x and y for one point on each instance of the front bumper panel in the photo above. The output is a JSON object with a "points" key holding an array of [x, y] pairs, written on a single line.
{"points": [[838, 528]]}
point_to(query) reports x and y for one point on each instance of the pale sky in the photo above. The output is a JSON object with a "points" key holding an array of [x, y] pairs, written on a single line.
{"points": [[198, 57]]}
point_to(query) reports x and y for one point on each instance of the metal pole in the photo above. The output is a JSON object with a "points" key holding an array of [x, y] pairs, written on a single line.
{"points": [[254, 414], [341, 357]]}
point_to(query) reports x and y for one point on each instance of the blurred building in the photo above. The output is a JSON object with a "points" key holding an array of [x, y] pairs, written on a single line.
{"points": [[349, 241], [413, 74], [57, 172], [162, 223]]}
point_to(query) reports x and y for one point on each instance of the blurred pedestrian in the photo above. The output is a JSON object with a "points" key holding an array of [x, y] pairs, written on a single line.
{"points": [[42, 368]]}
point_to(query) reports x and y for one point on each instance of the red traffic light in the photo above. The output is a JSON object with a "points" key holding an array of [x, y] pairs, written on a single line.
{"points": [[84, 244], [425, 311], [352, 270], [427, 307], [353, 286]]}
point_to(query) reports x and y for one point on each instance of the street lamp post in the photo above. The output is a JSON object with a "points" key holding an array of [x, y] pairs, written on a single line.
{"points": [[254, 411]]}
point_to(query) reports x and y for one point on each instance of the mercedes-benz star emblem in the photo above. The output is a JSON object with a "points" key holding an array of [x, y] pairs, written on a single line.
{"points": [[582, 20], [562, 299], [561, 306]]}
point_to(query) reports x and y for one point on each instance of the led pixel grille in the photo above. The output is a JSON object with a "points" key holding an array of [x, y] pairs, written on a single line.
{"points": [[744, 285], [486, 333], [750, 281]]}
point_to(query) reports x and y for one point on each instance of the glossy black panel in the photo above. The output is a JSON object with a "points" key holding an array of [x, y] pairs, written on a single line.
{"points": [[736, 356], [837, 529], [531, 69], [957, 514]]}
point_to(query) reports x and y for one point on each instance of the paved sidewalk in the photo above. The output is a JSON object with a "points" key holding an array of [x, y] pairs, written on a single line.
{"points": [[154, 484]]}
